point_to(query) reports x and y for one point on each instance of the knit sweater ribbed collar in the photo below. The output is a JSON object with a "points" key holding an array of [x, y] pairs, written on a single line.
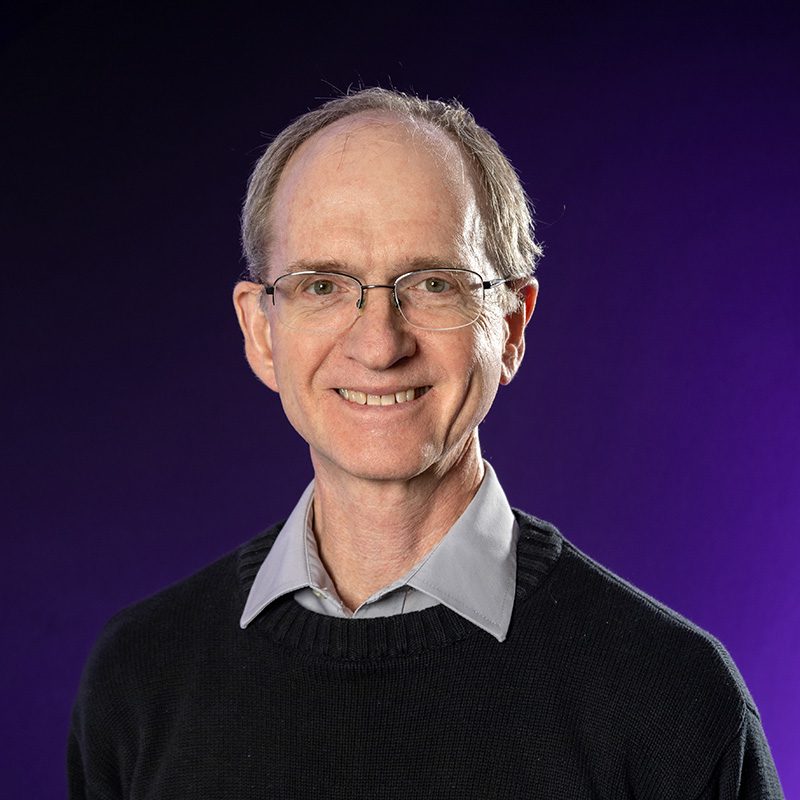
{"points": [[288, 623]]}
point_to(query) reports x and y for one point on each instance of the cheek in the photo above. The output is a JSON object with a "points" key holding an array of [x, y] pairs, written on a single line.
{"points": [[482, 360], [298, 360], [289, 382], [488, 349], [288, 361]]}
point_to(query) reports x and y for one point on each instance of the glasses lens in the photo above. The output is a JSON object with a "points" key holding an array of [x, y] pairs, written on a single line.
{"points": [[440, 299], [316, 301]]}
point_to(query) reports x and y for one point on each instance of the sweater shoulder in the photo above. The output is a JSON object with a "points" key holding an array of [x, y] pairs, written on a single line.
{"points": [[669, 689], [179, 618], [650, 624], [142, 673], [656, 695], [177, 605]]}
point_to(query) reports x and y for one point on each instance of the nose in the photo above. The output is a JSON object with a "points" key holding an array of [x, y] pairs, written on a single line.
{"points": [[379, 337]]}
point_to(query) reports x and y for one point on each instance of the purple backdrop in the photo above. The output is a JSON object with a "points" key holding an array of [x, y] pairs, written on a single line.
{"points": [[655, 419]]}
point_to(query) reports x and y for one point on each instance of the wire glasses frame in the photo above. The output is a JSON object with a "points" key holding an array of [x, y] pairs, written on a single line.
{"points": [[444, 298]]}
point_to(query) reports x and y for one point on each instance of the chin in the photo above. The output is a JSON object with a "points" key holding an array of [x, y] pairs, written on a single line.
{"points": [[384, 464]]}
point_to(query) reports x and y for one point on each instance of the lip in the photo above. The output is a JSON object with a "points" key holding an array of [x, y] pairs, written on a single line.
{"points": [[383, 398]]}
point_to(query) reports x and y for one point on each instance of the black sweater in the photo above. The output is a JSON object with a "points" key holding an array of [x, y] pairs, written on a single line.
{"points": [[598, 692]]}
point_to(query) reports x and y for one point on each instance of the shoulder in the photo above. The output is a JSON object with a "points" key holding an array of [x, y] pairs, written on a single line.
{"points": [[642, 677], [175, 624], [657, 639], [153, 662], [606, 609]]}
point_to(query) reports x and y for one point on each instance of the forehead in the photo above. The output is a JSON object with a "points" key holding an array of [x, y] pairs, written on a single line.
{"points": [[372, 188]]}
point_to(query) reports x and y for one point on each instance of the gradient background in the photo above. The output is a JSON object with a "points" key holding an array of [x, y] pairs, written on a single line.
{"points": [[655, 419]]}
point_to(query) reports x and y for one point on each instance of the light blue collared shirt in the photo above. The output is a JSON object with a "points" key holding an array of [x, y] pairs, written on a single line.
{"points": [[472, 570]]}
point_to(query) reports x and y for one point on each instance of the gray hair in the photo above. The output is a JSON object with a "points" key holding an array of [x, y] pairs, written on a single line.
{"points": [[506, 211]]}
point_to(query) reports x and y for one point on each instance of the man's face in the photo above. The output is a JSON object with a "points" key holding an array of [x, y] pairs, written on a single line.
{"points": [[372, 198]]}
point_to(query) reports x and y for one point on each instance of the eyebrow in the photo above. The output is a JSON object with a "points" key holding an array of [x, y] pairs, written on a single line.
{"points": [[404, 265]]}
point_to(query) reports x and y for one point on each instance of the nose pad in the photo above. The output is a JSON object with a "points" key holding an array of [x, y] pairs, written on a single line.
{"points": [[380, 339], [362, 300]]}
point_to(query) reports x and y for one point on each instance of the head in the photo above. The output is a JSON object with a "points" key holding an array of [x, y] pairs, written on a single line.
{"points": [[375, 193], [507, 221]]}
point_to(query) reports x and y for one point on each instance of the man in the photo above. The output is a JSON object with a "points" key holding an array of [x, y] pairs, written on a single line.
{"points": [[404, 631]]}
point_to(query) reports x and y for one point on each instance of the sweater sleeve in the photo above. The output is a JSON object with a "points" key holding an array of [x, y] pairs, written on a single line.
{"points": [[100, 733], [746, 770], [75, 778], [85, 778]]}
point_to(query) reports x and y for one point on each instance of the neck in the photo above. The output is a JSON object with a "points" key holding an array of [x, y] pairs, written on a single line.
{"points": [[371, 532]]}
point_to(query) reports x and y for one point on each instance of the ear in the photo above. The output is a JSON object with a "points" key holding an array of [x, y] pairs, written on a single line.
{"points": [[255, 326], [515, 331]]}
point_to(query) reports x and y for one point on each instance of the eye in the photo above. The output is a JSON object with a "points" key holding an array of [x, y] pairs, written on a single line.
{"points": [[321, 287], [435, 285]]}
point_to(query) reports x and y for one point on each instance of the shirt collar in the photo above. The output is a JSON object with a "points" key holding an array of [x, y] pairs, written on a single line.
{"points": [[284, 569], [472, 570]]}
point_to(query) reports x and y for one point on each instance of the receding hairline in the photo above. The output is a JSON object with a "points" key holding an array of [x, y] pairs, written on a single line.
{"points": [[504, 207], [437, 140], [319, 156]]}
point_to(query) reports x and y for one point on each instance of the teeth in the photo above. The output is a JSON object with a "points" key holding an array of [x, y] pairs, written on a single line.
{"points": [[361, 398]]}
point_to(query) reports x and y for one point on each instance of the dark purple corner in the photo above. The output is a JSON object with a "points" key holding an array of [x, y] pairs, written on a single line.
{"points": [[656, 419]]}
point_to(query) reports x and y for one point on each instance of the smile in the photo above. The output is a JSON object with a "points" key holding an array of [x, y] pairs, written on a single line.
{"points": [[364, 399]]}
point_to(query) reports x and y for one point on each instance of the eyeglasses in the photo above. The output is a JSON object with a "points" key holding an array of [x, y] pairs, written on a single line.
{"points": [[432, 299]]}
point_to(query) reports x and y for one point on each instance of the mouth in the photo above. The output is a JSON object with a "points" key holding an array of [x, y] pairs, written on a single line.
{"points": [[391, 399]]}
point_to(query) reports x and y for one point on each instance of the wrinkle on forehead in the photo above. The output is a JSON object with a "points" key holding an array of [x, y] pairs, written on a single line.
{"points": [[346, 138], [364, 144]]}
